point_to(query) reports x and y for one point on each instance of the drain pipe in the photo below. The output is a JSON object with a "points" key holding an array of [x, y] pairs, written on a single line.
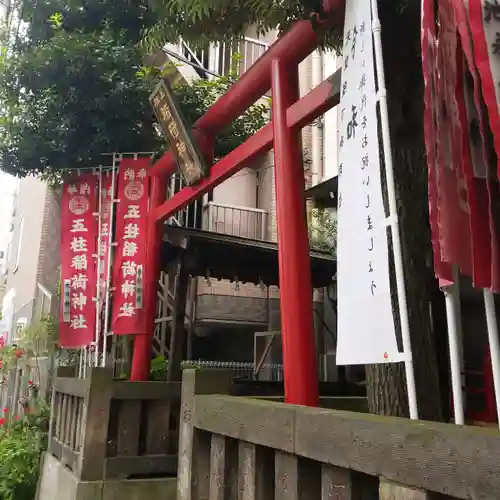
{"points": [[317, 128]]}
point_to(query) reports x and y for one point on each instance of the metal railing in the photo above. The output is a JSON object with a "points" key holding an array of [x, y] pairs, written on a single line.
{"points": [[223, 58], [191, 216], [239, 370], [235, 221]]}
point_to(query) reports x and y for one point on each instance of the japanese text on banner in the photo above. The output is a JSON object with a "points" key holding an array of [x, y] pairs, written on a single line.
{"points": [[362, 251], [78, 263], [107, 196], [131, 250]]}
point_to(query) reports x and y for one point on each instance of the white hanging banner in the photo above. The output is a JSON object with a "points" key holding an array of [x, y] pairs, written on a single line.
{"points": [[366, 331]]}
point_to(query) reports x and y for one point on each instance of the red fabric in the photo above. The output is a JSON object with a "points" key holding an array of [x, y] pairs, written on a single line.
{"points": [[442, 269], [453, 210], [486, 248], [78, 263], [107, 196], [131, 237]]}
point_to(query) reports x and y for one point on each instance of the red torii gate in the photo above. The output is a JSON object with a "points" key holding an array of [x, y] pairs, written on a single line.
{"points": [[276, 69]]}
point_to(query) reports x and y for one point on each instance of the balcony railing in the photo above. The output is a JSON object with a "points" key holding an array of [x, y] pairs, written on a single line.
{"points": [[235, 221], [219, 58]]}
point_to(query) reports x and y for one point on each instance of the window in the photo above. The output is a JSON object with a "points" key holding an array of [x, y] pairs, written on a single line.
{"points": [[19, 244], [21, 324]]}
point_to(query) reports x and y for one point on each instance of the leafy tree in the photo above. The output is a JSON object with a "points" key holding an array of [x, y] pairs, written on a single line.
{"points": [[74, 86], [208, 20], [323, 230]]}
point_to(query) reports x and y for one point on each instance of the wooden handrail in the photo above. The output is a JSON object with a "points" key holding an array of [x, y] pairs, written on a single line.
{"points": [[355, 451]]}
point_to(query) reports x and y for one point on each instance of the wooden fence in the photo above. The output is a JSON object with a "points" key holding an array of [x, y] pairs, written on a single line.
{"points": [[249, 449], [103, 428], [21, 384]]}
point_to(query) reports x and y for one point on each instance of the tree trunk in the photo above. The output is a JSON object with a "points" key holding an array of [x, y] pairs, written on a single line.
{"points": [[386, 384]]}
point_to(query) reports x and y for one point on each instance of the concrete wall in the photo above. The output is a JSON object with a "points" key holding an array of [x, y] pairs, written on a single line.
{"points": [[57, 482], [24, 251], [33, 254]]}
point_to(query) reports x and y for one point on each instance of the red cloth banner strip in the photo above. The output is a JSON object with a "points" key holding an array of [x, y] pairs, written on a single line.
{"points": [[453, 209], [108, 190], [470, 26], [129, 313], [442, 269], [484, 19], [78, 262]]}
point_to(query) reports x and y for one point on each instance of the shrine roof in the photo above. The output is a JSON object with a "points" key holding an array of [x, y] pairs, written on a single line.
{"points": [[223, 256]]}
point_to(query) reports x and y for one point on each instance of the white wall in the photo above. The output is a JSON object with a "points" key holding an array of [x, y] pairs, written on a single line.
{"points": [[331, 136], [239, 190]]}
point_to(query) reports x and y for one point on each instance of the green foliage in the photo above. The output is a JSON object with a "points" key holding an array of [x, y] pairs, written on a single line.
{"points": [[75, 88], [159, 367], [196, 97], [40, 338], [70, 99], [203, 21], [21, 447], [323, 230], [216, 20]]}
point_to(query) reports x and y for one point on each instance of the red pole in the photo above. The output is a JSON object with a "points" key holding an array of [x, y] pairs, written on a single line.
{"points": [[299, 349], [141, 360]]}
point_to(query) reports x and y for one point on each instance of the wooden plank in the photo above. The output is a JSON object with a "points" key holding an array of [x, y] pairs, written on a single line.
{"points": [[74, 418], [69, 417], [59, 417], [123, 467], [178, 338], [147, 390], [72, 386], [391, 491], [53, 415], [256, 479], [217, 468], [64, 418], [157, 427], [95, 422], [129, 421], [194, 382], [421, 455], [200, 466], [345, 484], [256, 421], [64, 454], [296, 479]]}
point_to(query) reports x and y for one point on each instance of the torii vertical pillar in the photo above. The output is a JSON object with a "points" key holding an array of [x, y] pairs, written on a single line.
{"points": [[297, 322]]}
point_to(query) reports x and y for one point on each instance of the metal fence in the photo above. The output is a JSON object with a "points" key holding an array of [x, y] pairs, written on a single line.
{"points": [[244, 371]]}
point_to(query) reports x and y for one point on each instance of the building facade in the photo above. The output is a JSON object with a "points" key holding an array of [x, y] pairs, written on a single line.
{"points": [[32, 258]]}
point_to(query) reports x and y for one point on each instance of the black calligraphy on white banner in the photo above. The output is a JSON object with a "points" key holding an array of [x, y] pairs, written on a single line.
{"points": [[362, 248]]}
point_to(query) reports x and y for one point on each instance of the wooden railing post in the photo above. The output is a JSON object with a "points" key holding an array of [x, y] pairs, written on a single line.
{"points": [[194, 447], [392, 491], [95, 424]]}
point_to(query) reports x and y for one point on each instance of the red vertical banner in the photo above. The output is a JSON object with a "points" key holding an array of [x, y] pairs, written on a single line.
{"points": [[108, 186], [484, 19], [428, 39], [129, 313], [454, 219], [78, 263], [471, 28], [107, 195]]}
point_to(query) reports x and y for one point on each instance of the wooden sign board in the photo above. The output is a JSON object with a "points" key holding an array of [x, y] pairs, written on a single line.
{"points": [[189, 159]]}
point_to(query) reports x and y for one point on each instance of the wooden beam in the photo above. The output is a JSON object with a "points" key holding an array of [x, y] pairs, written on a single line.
{"points": [[463, 462], [178, 338]]}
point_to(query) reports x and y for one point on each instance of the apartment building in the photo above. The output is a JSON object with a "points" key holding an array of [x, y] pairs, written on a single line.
{"points": [[31, 265]]}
